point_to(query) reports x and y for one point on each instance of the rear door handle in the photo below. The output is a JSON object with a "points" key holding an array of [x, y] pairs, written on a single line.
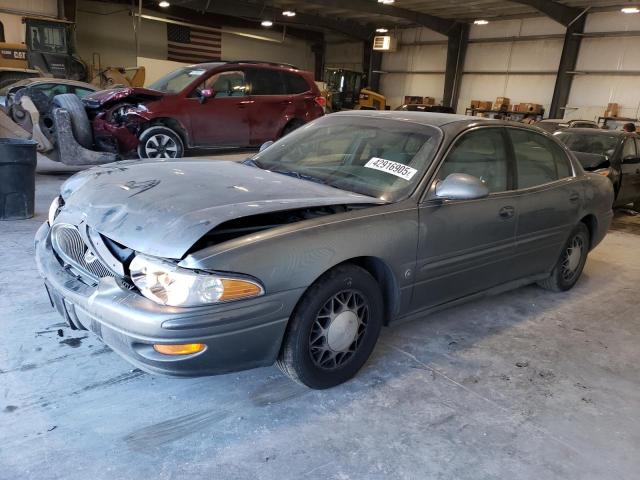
{"points": [[507, 212], [574, 197], [244, 103]]}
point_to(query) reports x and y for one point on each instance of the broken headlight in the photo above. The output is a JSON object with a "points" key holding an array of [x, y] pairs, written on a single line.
{"points": [[167, 284], [54, 209]]}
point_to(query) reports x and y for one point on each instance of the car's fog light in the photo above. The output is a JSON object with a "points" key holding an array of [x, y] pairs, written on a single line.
{"points": [[183, 349]]}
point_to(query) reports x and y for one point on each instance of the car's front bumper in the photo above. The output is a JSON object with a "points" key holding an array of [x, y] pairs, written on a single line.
{"points": [[237, 335]]}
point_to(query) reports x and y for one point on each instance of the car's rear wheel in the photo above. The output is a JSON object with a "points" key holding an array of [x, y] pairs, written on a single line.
{"points": [[160, 142], [569, 267], [291, 126], [333, 329]]}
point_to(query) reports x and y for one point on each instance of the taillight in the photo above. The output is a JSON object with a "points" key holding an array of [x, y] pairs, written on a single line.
{"points": [[321, 101]]}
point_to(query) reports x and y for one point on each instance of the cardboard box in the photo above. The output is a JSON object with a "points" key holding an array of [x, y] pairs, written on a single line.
{"points": [[428, 101], [480, 105], [530, 108], [412, 100], [612, 110], [502, 102]]}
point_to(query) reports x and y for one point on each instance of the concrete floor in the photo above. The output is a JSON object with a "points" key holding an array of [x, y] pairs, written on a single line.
{"points": [[525, 385]]}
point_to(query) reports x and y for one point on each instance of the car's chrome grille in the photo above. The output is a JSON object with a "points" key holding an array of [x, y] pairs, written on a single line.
{"points": [[71, 248]]}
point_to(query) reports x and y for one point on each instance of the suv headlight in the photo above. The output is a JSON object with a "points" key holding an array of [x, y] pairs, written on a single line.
{"points": [[54, 209], [167, 284]]}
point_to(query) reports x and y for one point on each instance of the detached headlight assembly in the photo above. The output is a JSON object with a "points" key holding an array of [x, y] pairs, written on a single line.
{"points": [[54, 209], [167, 284]]}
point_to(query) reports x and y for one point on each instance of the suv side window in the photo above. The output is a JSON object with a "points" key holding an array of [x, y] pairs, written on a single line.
{"points": [[629, 149], [295, 84], [538, 159], [266, 82], [226, 84], [480, 153]]}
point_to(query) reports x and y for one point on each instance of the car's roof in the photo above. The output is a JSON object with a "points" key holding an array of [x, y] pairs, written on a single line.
{"points": [[60, 81], [594, 131], [423, 118], [564, 120]]}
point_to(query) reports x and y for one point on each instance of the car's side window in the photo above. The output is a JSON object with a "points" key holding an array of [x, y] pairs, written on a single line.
{"points": [[480, 153], [266, 82], [82, 92], [295, 84], [227, 84], [538, 159], [629, 149]]}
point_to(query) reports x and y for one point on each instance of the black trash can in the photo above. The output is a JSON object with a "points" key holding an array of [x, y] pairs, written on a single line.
{"points": [[18, 159]]}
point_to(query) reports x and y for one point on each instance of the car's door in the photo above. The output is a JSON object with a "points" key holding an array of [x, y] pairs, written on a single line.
{"points": [[549, 199], [223, 119], [466, 246], [630, 173], [269, 104]]}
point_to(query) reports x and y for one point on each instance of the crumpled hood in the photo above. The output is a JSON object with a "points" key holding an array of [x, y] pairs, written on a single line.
{"points": [[105, 98], [162, 208]]}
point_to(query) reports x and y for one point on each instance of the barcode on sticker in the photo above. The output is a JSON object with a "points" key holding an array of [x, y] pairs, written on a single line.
{"points": [[394, 168]]}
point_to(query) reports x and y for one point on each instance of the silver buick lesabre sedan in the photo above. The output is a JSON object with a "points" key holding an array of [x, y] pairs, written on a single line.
{"points": [[300, 254]]}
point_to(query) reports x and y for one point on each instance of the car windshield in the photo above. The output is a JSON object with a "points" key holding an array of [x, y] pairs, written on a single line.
{"points": [[371, 156], [589, 143], [177, 80]]}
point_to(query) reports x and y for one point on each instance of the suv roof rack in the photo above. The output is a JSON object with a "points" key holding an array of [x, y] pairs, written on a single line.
{"points": [[259, 62]]}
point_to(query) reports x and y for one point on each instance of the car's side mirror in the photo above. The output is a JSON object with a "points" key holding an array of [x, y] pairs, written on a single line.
{"points": [[265, 145], [461, 186], [205, 94]]}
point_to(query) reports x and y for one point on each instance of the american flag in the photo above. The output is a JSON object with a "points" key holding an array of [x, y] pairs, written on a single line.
{"points": [[193, 44]]}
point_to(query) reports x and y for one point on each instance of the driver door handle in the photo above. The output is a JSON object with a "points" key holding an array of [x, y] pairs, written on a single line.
{"points": [[506, 212]]}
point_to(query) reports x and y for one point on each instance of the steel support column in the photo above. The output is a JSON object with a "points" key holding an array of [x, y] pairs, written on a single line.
{"points": [[568, 61], [458, 40], [318, 50]]}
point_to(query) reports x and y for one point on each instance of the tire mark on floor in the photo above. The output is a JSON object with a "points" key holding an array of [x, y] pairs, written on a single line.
{"points": [[169, 431]]}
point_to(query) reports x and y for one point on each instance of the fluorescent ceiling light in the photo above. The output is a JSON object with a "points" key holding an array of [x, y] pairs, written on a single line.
{"points": [[386, 2], [630, 10], [266, 23], [164, 4], [481, 22], [382, 30], [289, 13]]}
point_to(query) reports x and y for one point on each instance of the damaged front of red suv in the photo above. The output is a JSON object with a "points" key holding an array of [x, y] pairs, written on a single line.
{"points": [[117, 116]]}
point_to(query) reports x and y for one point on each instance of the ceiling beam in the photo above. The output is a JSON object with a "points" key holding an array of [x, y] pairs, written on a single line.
{"points": [[554, 10], [262, 12], [440, 25]]}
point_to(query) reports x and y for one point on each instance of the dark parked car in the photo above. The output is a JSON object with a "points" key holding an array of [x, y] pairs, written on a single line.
{"points": [[614, 154], [552, 125], [419, 107], [300, 254], [222, 104]]}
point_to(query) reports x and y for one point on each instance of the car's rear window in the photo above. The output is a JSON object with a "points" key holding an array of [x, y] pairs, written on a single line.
{"points": [[588, 142]]}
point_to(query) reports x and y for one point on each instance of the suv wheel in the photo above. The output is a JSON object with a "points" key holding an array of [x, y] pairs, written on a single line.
{"points": [[160, 142]]}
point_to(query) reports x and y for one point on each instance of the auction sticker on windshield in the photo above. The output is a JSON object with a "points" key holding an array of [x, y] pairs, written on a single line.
{"points": [[394, 168]]}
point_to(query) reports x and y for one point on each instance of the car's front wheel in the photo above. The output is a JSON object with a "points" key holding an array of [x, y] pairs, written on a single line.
{"points": [[160, 142], [571, 263], [333, 329]]}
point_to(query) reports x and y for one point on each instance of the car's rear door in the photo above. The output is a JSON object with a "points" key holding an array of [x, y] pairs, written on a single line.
{"points": [[269, 104], [467, 246], [630, 173], [549, 200], [222, 120]]}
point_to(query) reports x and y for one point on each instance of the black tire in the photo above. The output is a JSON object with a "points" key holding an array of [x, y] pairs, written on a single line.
{"points": [[568, 269], [159, 141], [307, 355], [291, 126], [80, 125]]}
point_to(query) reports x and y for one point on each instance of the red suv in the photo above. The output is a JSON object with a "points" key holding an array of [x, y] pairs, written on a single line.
{"points": [[223, 104]]}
